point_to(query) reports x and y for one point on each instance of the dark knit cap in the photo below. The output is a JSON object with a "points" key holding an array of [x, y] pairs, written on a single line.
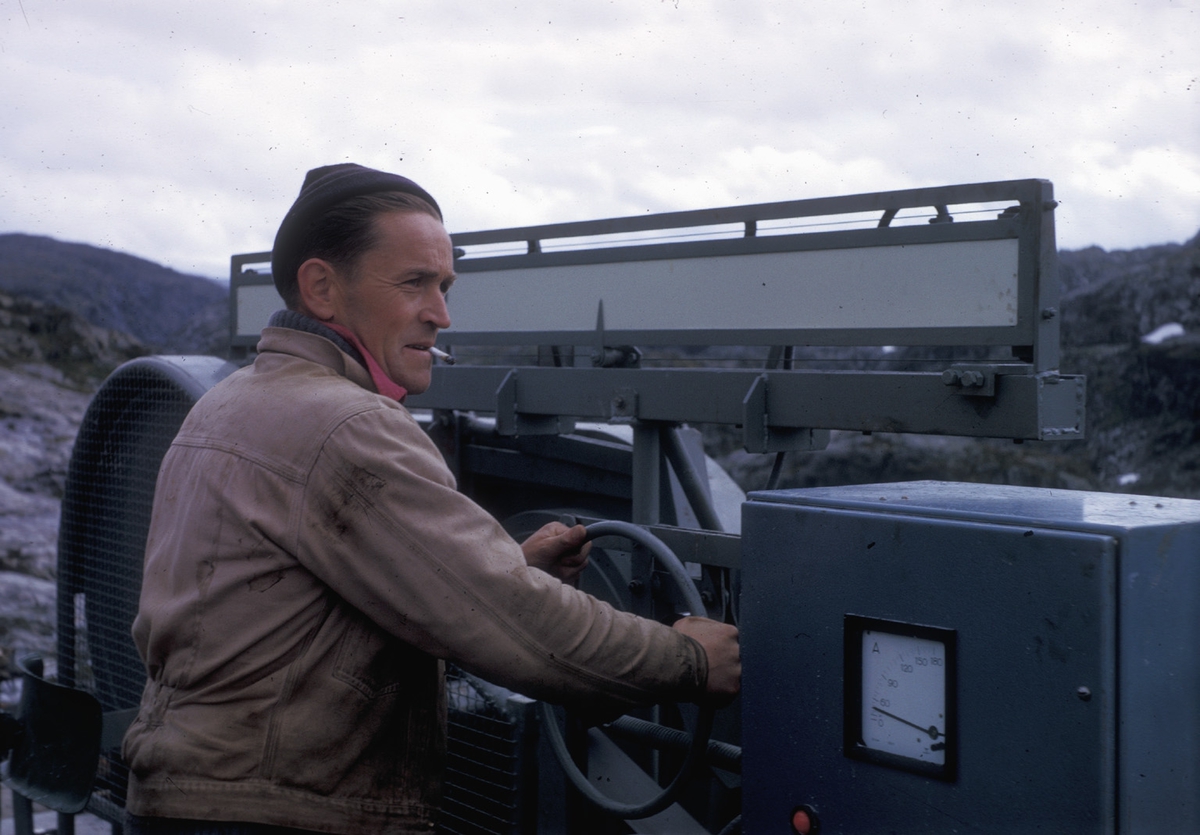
{"points": [[324, 188]]}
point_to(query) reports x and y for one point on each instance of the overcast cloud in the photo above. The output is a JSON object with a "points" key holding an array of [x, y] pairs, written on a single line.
{"points": [[180, 131]]}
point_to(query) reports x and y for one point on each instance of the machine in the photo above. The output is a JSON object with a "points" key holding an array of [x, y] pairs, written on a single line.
{"points": [[918, 658]]}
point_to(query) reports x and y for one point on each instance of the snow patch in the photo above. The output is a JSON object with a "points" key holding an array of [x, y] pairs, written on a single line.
{"points": [[1162, 333]]}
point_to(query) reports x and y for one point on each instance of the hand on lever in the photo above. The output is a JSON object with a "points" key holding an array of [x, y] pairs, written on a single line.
{"points": [[720, 642], [559, 551]]}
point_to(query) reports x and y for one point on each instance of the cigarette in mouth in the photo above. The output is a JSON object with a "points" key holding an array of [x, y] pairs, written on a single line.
{"points": [[442, 355]]}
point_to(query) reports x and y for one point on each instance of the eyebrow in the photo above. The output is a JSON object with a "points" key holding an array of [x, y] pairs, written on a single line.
{"points": [[427, 274]]}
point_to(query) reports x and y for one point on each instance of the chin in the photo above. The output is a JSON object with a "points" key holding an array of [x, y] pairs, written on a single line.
{"points": [[416, 386]]}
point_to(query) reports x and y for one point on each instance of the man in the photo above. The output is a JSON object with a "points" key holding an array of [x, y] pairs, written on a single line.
{"points": [[310, 562]]}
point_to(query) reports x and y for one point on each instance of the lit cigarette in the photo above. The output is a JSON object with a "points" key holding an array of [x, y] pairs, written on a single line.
{"points": [[442, 355]]}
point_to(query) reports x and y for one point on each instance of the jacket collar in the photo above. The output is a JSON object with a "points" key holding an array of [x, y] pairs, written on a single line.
{"points": [[347, 342], [310, 344], [299, 322]]}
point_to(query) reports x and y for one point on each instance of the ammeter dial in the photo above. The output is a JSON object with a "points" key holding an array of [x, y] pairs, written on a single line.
{"points": [[904, 695], [900, 695]]}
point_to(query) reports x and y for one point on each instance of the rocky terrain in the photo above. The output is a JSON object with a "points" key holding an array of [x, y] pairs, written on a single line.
{"points": [[51, 360], [70, 313]]}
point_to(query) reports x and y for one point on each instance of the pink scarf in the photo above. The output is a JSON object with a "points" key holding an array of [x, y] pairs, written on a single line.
{"points": [[383, 383]]}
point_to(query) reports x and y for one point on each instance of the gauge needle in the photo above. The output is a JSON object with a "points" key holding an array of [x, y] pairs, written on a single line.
{"points": [[932, 730]]}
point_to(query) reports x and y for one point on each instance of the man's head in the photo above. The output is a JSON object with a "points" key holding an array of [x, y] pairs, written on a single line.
{"points": [[332, 216], [378, 263]]}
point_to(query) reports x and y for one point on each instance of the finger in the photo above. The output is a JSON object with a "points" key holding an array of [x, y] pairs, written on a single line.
{"points": [[550, 530], [571, 536]]}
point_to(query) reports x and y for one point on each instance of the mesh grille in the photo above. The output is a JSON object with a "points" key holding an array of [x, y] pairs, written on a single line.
{"points": [[490, 775], [102, 538]]}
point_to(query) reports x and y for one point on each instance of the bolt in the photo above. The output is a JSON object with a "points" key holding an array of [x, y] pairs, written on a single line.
{"points": [[637, 587], [1084, 694], [1049, 312]]}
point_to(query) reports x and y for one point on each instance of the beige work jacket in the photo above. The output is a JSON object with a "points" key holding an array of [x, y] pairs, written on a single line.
{"points": [[308, 564]]}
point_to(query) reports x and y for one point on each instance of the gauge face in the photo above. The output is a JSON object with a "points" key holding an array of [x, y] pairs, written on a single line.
{"points": [[900, 706], [904, 695]]}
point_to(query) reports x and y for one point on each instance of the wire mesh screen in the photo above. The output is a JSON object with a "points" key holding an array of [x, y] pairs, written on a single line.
{"points": [[491, 772], [102, 538]]}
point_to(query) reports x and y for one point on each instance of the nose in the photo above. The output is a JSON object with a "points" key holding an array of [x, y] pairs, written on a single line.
{"points": [[435, 311]]}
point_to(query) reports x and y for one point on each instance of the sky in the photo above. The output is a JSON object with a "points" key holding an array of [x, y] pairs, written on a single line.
{"points": [[180, 131]]}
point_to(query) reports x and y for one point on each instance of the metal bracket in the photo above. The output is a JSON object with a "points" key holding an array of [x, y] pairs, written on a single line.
{"points": [[511, 421], [612, 356], [760, 436], [1065, 414], [623, 408]]}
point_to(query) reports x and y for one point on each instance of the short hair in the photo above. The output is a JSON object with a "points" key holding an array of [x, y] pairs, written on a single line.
{"points": [[343, 234]]}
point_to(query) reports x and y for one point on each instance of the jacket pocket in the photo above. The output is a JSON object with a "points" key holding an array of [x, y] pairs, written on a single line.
{"points": [[370, 661]]}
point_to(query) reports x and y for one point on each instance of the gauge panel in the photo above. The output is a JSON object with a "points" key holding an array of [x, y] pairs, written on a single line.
{"points": [[900, 695]]}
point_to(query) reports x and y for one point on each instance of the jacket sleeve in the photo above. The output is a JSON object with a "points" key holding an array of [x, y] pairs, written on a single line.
{"points": [[383, 525]]}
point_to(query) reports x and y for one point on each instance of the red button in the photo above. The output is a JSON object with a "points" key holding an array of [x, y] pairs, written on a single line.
{"points": [[802, 822]]}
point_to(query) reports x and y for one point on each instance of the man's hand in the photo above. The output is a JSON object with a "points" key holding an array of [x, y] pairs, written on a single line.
{"points": [[559, 551], [720, 642]]}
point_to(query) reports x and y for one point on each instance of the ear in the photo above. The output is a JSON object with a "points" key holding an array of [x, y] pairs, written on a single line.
{"points": [[317, 282]]}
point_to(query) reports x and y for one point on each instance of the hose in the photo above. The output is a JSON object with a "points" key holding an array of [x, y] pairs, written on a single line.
{"points": [[734, 827], [704, 721], [666, 557]]}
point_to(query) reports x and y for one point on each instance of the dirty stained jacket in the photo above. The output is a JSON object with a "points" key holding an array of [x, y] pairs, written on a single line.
{"points": [[309, 563]]}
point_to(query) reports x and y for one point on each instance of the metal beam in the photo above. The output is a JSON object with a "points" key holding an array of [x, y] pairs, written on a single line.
{"points": [[1022, 191], [1027, 407]]}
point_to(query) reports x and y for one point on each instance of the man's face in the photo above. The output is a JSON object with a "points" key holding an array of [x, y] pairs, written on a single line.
{"points": [[395, 301]]}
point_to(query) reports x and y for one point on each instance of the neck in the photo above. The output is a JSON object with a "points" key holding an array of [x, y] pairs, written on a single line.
{"points": [[346, 341]]}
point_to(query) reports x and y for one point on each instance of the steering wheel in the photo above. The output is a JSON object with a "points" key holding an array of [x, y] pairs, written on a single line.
{"points": [[704, 721]]}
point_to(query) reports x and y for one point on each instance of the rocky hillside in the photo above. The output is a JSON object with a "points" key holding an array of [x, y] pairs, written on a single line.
{"points": [[51, 360], [168, 311], [69, 315]]}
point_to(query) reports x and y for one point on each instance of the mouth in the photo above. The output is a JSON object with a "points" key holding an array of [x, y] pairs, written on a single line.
{"points": [[432, 351]]}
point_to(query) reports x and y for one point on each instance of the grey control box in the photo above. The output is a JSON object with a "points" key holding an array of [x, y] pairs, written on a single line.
{"points": [[934, 657]]}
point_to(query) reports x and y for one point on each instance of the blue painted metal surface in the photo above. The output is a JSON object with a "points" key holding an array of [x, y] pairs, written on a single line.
{"points": [[1078, 686]]}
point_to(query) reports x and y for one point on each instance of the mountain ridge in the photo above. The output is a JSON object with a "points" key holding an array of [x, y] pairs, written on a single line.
{"points": [[113, 290]]}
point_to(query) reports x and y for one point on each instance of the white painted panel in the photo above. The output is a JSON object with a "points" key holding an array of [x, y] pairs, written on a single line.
{"points": [[956, 284], [255, 304]]}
